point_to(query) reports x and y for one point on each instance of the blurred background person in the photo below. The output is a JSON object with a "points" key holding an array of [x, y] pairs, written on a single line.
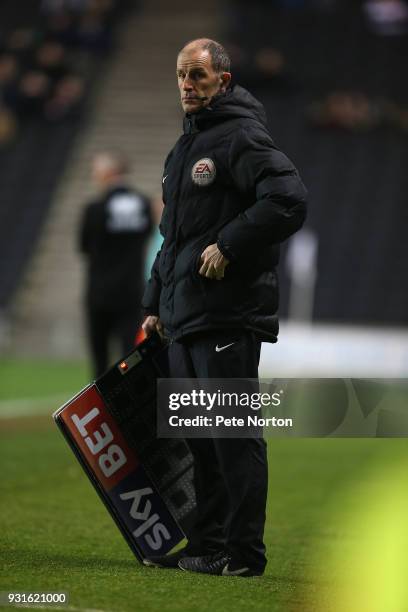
{"points": [[387, 17], [113, 235]]}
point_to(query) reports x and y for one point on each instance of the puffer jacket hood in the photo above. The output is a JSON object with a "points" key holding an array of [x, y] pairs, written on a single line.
{"points": [[224, 182], [235, 103]]}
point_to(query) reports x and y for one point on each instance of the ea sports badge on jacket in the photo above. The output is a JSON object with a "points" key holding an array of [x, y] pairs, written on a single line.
{"points": [[204, 172]]}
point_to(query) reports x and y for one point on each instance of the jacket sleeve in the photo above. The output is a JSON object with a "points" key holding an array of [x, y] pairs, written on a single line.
{"points": [[151, 296], [84, 234], [279, 210]]}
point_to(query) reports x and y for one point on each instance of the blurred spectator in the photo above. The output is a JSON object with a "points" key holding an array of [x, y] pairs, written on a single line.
{"points": [[266, 68], [8, 73], [21, 41], [77, 6], [113, 237], [94, 33], [61, 27], [8, 121], [67, 100], [345, 110], [387, 17], [8, 127], [50, 60], [55, 6], [8, 68], [28, 96], [355, 111], [101, 6], [272, 71]]}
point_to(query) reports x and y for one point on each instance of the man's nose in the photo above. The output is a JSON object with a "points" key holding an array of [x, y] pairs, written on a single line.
{"points": [[187, 84]]}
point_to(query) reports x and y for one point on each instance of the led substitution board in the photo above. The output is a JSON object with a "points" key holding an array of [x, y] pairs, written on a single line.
{"points": [[146, 483]]}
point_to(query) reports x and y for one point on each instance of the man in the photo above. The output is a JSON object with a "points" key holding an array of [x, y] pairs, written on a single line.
{"points": [[230, 198], [113, 235]]}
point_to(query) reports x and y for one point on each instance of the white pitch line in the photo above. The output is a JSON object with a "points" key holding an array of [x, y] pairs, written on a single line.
{"points": [[24, 407]]}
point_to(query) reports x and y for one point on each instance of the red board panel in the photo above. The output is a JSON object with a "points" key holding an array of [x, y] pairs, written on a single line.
{"points": [[98, 438]]}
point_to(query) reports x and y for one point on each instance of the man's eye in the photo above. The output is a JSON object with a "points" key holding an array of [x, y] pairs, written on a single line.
{"points": [[193, 75]]}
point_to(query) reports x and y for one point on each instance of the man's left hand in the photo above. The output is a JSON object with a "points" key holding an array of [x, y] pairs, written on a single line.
{"points": [[213, 263]]}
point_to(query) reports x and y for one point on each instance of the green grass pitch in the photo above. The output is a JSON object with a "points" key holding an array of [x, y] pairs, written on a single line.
{"points": [[57, 536]]}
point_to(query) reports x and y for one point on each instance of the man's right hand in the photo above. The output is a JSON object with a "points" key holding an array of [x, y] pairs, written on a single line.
{"points": [[152, 324]]}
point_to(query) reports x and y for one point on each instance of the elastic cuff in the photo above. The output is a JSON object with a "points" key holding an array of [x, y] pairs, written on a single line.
{"points": [[224, 249], [147, 312]]}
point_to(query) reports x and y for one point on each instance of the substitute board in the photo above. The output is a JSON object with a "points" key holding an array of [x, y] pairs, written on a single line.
{"points": [[146, 483]]}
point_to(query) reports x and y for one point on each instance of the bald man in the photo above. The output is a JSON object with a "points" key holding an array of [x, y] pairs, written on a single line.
{"points": [[231, 197], [113, 236]]}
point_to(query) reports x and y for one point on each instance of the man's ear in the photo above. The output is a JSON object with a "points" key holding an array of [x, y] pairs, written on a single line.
{"points": [[225, 80]]}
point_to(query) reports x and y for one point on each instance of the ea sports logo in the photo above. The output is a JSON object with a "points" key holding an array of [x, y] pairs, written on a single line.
{"points": [[203, 172]]}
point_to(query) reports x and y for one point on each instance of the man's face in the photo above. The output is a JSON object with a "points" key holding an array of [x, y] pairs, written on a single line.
{"points": [[197, 79]]}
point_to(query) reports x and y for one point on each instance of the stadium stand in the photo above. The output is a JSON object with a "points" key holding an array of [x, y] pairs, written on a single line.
{"points": [[50, 58]]}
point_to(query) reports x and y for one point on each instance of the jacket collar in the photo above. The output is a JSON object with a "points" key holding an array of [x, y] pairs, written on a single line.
{"points": [[190, 124], [196, 122]]}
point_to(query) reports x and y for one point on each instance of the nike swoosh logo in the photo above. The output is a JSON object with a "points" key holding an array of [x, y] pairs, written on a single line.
{"points": [[221, 348], [227, 572], [164, 177]]}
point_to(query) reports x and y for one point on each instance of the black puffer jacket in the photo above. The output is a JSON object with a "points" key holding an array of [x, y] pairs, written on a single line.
{"points": [[225, 182]]}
